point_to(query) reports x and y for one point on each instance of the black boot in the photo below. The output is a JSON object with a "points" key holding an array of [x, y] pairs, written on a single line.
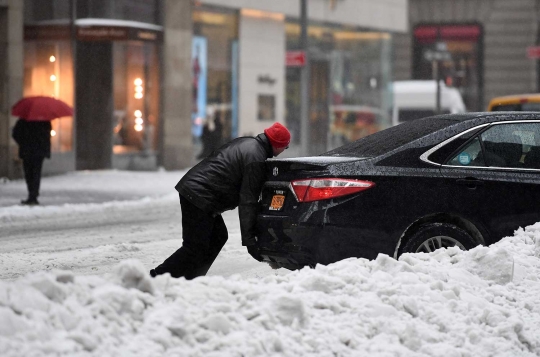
{"points": [[30, 202]]}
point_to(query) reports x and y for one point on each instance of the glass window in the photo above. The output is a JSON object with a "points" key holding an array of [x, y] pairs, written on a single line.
{"points": [[48, 71], [214, 55], [136, 96], [147, 11], [412, 114], [530, 136], [267, 107], [354, 68], [471, 155], [463, 67], [43, 10], [503, 146]]}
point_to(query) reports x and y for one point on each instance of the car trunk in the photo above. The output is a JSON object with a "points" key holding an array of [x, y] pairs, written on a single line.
{"points": [[278, 198]]}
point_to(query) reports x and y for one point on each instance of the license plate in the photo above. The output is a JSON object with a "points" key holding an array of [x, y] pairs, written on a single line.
{"points": [[277, 202]]}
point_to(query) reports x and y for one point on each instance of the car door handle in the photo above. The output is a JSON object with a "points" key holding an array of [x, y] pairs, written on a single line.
{"points": [[470, 182]]}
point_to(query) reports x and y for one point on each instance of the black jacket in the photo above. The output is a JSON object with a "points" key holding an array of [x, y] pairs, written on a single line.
{"points": [[231, 176], [33, 138]]}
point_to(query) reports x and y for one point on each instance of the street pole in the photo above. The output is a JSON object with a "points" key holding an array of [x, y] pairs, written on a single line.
{"points": [[304, 82]]}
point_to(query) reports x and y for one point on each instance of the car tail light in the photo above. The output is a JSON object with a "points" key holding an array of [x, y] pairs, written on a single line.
{"points": [[322, 189]]}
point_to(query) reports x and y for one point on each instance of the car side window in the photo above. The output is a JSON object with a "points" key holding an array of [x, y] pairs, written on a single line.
{"points": [[470, 155], [504, 144], [530, 137]]}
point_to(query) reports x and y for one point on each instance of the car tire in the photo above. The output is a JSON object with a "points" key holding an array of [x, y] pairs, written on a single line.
{"points": [[432, 236]]}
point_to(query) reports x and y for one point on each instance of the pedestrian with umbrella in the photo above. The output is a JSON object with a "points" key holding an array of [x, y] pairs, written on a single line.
{"points": [[32, 133]]}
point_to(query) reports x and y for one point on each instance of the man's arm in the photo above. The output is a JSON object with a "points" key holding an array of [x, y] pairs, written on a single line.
{"points": [[252, 183], [17, 132]]}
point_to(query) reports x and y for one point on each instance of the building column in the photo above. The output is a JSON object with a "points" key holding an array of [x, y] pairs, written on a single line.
{"points": [[11, 80], [176, 140]]}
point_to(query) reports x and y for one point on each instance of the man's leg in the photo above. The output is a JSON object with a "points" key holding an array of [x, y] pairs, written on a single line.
{"points": [[197, 227], [219, 237], [32, 175]]}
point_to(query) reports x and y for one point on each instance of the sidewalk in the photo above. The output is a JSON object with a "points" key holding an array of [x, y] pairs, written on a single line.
{"points": [[99, 186]]}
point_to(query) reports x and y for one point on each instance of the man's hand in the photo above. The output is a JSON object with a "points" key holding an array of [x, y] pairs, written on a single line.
{"points": [[249, 241], [254, 252]]}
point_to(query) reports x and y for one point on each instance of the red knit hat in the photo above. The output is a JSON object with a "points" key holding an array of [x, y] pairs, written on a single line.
{"points": [[278, 135]]}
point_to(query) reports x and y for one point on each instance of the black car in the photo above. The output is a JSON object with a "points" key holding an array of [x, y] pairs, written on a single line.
{"points": [[449, 180]]}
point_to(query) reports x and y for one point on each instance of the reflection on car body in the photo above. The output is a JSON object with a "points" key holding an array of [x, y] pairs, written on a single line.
{"points": [[449, 180]]}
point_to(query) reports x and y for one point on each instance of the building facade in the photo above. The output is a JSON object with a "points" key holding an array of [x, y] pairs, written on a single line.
{"points": [[250, 77], [145, 75], [106, 59], [487, 42]]}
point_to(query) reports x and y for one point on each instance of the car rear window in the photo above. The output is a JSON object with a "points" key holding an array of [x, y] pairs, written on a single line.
{"points": [[389, 139], [413, 114]]}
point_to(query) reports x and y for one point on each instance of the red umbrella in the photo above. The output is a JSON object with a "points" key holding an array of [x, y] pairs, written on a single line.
{"points": [[40, 108]]}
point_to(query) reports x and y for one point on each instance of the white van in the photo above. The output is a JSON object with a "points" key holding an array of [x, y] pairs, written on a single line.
{"points": [[418, 99]]}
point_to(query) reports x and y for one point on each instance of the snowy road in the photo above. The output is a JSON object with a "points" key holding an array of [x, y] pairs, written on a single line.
{"points": [[91, 238]]}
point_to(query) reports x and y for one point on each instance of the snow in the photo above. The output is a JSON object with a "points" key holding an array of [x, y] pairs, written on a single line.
{"points": [[482, 302]]}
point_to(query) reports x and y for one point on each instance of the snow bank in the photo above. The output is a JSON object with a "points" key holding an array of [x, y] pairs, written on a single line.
{"points": [[483, 302]]}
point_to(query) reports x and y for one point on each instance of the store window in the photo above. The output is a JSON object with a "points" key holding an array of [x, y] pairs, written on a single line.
{"points": [[48, 71], [136, 97], [463, 66], [148, 11], [350, 76], [214, 59]]}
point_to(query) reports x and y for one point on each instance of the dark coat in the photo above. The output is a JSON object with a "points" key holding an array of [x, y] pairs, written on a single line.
{"points": [[33, 138], [231, 176]]}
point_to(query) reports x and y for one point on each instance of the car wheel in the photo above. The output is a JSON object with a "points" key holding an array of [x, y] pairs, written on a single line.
{"points": [[430, 237]]}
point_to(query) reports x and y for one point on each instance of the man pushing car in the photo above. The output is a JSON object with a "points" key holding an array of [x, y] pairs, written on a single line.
{"points": [[231, 176]]}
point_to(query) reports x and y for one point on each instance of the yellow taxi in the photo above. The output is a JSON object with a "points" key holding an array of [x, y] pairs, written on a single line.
{"points": [[517, 102]]}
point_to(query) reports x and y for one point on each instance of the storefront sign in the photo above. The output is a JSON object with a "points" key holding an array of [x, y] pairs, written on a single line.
{"points": [[295, 58], [266, 79], [91, 33], [102, 33], [51, 32], [533, 52]]}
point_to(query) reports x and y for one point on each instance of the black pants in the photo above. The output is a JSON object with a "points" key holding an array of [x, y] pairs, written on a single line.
{"points": [[204, 235], [32, 175]]}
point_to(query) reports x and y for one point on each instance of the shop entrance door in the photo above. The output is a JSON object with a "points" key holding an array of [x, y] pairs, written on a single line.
{"points": [[319, 101]]}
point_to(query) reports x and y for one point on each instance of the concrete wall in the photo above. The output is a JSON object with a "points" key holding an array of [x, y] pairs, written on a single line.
{"points": [[177, 148], [262, 64], [11, 80], [509, 28], [390, 15]]}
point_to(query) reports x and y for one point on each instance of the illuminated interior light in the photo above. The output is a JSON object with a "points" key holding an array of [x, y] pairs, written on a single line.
{"points": [[138, 113], [52, 78], [53, 133], [138, 89], [263, 14], [138, 120], [138, 127], [138, 82], [138, 95], [52, 59]]}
